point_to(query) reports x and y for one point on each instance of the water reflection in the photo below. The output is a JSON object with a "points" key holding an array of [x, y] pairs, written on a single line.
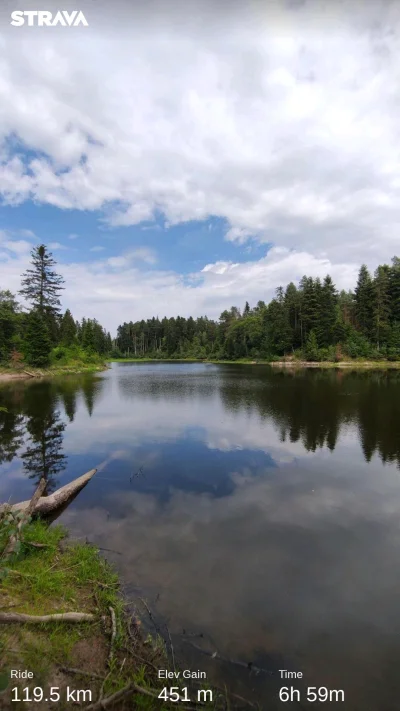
{"points": [[33, 423], [249, 505]]}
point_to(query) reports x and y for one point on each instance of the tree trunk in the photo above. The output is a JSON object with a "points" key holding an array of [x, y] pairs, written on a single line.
{"points": [[48, 505]]}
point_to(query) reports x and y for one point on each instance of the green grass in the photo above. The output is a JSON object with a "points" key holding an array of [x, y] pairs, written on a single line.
{"points": [[64, 577]]}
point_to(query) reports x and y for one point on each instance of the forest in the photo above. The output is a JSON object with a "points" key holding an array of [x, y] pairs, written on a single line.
{"points": [[43, 335], [312, 321]]}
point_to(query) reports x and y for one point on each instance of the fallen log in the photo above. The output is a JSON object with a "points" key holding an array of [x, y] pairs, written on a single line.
{"points": [[12, 617], [47, 505]]}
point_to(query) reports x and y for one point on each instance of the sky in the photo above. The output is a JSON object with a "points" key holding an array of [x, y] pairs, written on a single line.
{"points": [[184, 157]]}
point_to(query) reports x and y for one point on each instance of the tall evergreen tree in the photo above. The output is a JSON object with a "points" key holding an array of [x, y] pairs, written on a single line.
{"points": [[363, 297], [41, 284], [381, 306], [328, 299], [394, 289]]}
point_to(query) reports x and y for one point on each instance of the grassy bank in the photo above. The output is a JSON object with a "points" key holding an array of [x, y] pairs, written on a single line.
{"points": [[97, 658], [8, 373]]}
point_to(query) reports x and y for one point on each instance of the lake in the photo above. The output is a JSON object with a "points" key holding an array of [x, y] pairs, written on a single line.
{"points": [[256, 511]]}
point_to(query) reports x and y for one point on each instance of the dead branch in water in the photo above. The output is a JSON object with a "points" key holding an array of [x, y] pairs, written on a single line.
{"points": [[214, 655], [12, 617]]}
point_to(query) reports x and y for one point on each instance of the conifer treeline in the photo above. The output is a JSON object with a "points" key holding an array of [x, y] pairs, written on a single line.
{"points": [[312, 320], [44, 335]]}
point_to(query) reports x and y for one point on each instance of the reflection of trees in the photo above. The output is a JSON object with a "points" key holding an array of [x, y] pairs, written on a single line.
{"points": [[11, 435], [91, 388], [311, 406], [35, 417], [67, 392], [43, 456]]}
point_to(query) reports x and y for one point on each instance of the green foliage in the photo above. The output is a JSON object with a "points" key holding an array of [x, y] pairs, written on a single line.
{"points": [[357, 345], [311, 348], [74, 356], [364, 301], [68, 329], [42, 336], [312, 320], [9, 312], [37, 341]]}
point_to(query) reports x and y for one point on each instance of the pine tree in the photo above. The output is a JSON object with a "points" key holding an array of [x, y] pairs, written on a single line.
{"points": [[41, 284], [363, 297], [68, 329], [309, 307], [292, 301], [37, 341], [328, 299], [394, 289], [381, 305], [394, 342]]}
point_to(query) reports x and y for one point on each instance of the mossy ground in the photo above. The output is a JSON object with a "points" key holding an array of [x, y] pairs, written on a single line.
{"points": [[69, 576]]}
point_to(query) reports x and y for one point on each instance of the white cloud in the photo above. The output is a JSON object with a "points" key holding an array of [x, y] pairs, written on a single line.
{"points": [[144, 254], [97, 248], [282, 122], [18, 247], [56, 245]]}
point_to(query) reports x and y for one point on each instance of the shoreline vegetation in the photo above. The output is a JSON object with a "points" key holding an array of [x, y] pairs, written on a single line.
{"points": [[8, 374], [64, 617], [311, 322], [41, 340], [289, 363]]}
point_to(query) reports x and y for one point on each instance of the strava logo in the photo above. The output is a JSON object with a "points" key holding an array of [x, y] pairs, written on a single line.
{"points": [[44, 18]]}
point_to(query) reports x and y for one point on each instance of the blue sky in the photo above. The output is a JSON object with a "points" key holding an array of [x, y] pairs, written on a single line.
{"points": [[83, 236], [185, 161]]}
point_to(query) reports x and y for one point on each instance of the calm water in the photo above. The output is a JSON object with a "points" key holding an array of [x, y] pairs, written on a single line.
{"points": [[259, 509]]}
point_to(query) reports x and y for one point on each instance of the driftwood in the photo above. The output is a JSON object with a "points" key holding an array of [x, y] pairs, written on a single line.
{"points": [[12, 617], [47, 505]]}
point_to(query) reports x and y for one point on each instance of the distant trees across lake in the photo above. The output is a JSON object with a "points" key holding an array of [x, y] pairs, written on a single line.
{"points": [[313, 321]]}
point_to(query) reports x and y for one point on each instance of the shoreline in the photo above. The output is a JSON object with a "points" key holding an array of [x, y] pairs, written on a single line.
{"points": [[356, 364], [9, 374], [97, 652]]}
